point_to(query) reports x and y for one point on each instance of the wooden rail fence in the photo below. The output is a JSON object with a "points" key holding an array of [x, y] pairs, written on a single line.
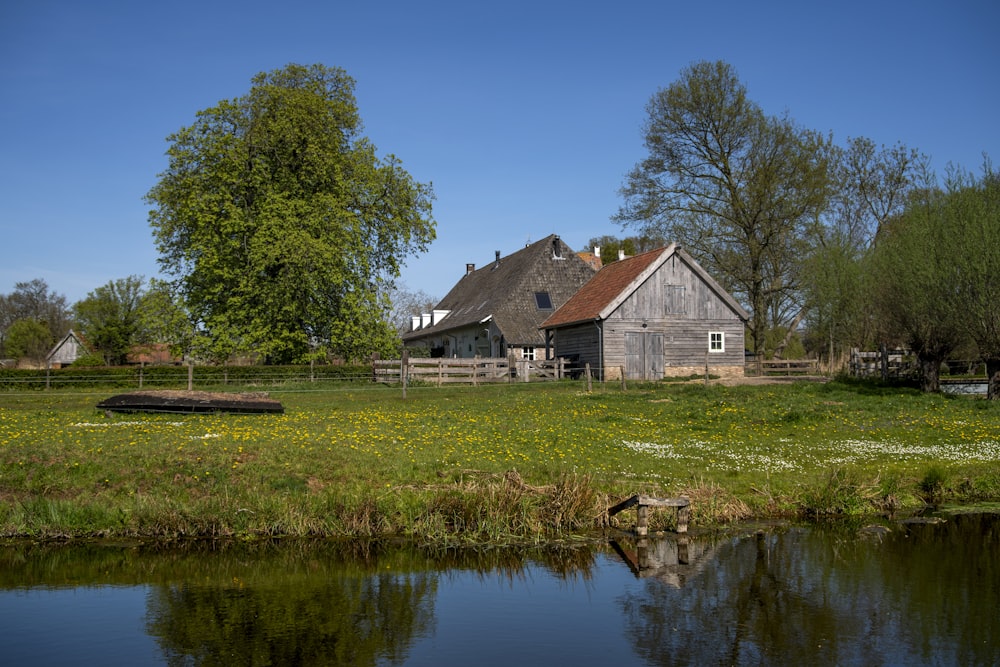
{"points": [[480, 370], [762, 367]]}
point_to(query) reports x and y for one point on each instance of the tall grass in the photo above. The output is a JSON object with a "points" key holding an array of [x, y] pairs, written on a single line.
{"points": [[511, 462]]}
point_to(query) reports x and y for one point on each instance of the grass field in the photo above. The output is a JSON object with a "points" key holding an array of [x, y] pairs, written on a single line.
{"points": [[491, 463]]}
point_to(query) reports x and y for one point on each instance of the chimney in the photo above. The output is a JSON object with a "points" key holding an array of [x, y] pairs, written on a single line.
{"points": [[621, 253], [470, 268], [414, 322], [425, 320], [438, 315], [597, 251], [496, 263]]}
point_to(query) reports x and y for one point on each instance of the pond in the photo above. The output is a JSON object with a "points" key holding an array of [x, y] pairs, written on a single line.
{"points": [[925, 592]]}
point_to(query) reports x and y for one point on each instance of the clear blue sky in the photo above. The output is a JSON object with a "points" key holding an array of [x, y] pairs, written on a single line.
{"points": [[526, 116]]}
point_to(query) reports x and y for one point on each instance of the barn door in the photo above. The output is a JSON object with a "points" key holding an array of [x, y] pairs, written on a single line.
{"points": [[643, 355], [654, 356]]}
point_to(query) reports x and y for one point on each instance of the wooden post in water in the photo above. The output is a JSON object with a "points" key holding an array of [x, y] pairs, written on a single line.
{"points": [[641, 503], [683, 516]]}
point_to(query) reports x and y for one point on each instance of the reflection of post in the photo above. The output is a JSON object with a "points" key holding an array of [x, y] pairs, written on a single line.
{"points": [[642, 553], [642, 521], [682, 551]]}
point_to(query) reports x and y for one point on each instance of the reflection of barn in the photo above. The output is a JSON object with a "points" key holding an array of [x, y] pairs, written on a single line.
{"points": [[672, 560]]}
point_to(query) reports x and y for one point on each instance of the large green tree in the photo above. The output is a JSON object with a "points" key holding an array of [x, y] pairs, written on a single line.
{"points": [[28, 339], [33, 300], [972, 217], [283, 228], [733, 185], [109, 318], [870, 185], [911, 275]]}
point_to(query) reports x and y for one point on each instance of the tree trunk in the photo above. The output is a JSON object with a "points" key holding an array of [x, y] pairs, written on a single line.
{"points": [[993, 373], [930, 373], [780, 350]]}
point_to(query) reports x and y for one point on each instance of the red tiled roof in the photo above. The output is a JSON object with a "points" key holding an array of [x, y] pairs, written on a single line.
{"points": [[601, 290]]}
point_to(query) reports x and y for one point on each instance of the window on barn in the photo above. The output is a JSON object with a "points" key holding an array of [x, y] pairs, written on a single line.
{"points": [[674, 300], [717, 341], [528, 353], [543, 301]]}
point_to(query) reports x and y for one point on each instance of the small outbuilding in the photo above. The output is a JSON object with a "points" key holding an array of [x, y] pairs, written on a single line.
{"points": [[654, 315], [70, 347]]}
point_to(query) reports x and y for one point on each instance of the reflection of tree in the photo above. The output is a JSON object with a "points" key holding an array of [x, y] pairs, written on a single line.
{"points": [[338, 620], [292, 602], [814, 596]]}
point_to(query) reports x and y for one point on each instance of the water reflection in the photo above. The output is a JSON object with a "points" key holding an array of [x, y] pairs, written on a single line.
{"points": [[919, 593]]}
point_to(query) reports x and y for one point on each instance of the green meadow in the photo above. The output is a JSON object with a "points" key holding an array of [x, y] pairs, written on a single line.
{"points": [[499, 463]]}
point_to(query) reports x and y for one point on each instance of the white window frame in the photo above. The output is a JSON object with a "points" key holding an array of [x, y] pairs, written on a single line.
{"points": [[528, 353], [716, 342]]}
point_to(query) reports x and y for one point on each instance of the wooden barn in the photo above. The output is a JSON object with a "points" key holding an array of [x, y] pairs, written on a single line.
{"points": [[654, 315], [496, 310], [70, 347]]}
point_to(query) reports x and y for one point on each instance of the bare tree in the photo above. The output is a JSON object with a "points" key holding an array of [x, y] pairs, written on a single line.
{"points": [[732, 185]]}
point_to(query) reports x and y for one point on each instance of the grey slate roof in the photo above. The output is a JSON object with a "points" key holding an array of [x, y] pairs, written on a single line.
{"points": [[505, 289]]}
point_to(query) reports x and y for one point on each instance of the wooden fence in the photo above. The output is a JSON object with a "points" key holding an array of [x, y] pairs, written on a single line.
{"points": [[885, 363], [762, 367], [480, 370]]}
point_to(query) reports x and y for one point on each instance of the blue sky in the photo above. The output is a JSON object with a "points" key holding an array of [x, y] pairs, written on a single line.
{"points": [[525, 116]]}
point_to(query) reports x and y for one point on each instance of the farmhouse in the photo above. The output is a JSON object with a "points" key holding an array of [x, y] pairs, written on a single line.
{"points": [[495, 311], [654, 315]]}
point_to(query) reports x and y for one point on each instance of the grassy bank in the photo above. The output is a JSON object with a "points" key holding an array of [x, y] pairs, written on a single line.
{"points": [[508, 462]]}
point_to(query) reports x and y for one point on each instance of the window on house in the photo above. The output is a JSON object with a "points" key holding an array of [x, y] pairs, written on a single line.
{"points": [[716, 341], [543, 301], [528, 353], [674, 300]]}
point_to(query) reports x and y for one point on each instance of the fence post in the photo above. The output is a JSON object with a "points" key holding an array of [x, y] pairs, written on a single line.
{"points": [[404, 370], [621, 370], [590, 383], [190, 375], [375, 359], [142, 365]]}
